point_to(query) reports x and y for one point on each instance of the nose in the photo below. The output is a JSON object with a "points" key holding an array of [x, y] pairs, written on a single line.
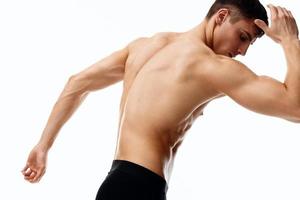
{"points": [[242, 50]]}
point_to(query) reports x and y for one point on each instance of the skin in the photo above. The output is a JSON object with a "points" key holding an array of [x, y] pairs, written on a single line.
{"points": [[168, 80]]}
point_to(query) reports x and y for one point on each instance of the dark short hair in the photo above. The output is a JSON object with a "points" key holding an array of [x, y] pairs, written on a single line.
{"points": [[249, 9]]}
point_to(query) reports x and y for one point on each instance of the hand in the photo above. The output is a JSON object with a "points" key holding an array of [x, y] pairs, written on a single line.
{"points": [[283, 25], [36, 165]]}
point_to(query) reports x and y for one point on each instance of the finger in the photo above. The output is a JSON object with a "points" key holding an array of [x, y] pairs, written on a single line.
{"points": [[290, 14], [273, 10], [25, 168], [285, 11], [280, 12], [27, 172], [31, 180], [30, 175], [38, 176]]}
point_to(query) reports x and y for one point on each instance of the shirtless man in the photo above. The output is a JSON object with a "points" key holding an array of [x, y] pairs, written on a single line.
{"points": [[168, 80]]}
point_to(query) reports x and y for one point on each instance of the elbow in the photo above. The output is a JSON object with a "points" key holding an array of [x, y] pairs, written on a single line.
{"points": [[294, 120], [296, 117], [74, 78], [290, 119], [76, 85], [292, 114], [73, 82]]}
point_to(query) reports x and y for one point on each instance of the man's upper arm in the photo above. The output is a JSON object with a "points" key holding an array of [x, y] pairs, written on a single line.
{"points": [[261, 94], [103, 73]]}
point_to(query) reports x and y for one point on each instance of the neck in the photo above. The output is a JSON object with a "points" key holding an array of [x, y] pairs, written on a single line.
{"points": [[204, 32]]}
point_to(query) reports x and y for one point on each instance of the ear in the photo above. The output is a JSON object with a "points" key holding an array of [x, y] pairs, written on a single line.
{"points": [[222, 15]]}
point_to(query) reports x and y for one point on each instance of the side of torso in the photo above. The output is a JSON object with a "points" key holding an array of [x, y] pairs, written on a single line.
{"points": [[164, 91]]}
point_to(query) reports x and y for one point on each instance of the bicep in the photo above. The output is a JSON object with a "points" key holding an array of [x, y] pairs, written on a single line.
{"points": [[260, 94]]}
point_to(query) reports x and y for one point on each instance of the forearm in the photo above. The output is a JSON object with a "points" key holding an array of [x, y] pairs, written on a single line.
{"points": [[67, 103], [292, 80]]}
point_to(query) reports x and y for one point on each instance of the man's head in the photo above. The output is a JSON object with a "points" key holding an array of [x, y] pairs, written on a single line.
{"points": [[234, 28]]}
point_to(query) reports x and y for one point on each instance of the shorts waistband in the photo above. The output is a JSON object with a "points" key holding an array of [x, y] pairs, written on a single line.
{"points": [[140, 172]]}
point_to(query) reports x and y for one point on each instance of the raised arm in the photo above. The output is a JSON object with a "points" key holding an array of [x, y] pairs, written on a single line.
{"points": [[284, 31], [100, 75], [263, 94], [260, 94]]}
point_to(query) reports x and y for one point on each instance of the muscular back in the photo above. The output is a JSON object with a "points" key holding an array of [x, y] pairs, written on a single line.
{"points": [[168, 80], [163, 94]]}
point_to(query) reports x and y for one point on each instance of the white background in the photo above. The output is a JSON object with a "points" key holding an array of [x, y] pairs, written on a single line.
{"points": [[230, 153]]}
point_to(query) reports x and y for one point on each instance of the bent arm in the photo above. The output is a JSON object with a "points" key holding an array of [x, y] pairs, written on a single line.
{"points": [[292, 80], [284, 31], [263, 94], [260, 94], [99, 75]]}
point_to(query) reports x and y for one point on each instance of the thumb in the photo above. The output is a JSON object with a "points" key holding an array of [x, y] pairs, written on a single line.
{"points": [[261, 24], [25, 169]]}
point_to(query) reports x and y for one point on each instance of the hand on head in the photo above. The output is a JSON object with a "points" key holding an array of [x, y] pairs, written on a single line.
{"points": [[283, 24]]}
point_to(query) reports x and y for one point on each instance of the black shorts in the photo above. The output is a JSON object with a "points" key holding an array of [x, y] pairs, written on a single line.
{"points": [[130, 181]]}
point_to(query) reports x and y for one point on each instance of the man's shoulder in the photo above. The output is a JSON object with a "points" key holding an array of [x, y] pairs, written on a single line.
{"points": [[219, 62], [155, 36], [218, 67], [221, 69], [157, 39]]}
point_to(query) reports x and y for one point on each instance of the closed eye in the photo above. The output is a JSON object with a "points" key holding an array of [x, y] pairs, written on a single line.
{"points": [[243, 38]]}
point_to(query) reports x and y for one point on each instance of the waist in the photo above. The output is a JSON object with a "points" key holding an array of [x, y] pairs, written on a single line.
{"points": [[141, 173], [148, 149]]}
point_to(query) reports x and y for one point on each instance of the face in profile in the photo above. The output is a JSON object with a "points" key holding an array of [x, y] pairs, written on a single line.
{"points": [[232, 39]]}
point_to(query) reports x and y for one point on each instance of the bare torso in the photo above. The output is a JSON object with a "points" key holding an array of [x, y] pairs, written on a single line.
{"points": [[169, 79], [162, 96]]}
